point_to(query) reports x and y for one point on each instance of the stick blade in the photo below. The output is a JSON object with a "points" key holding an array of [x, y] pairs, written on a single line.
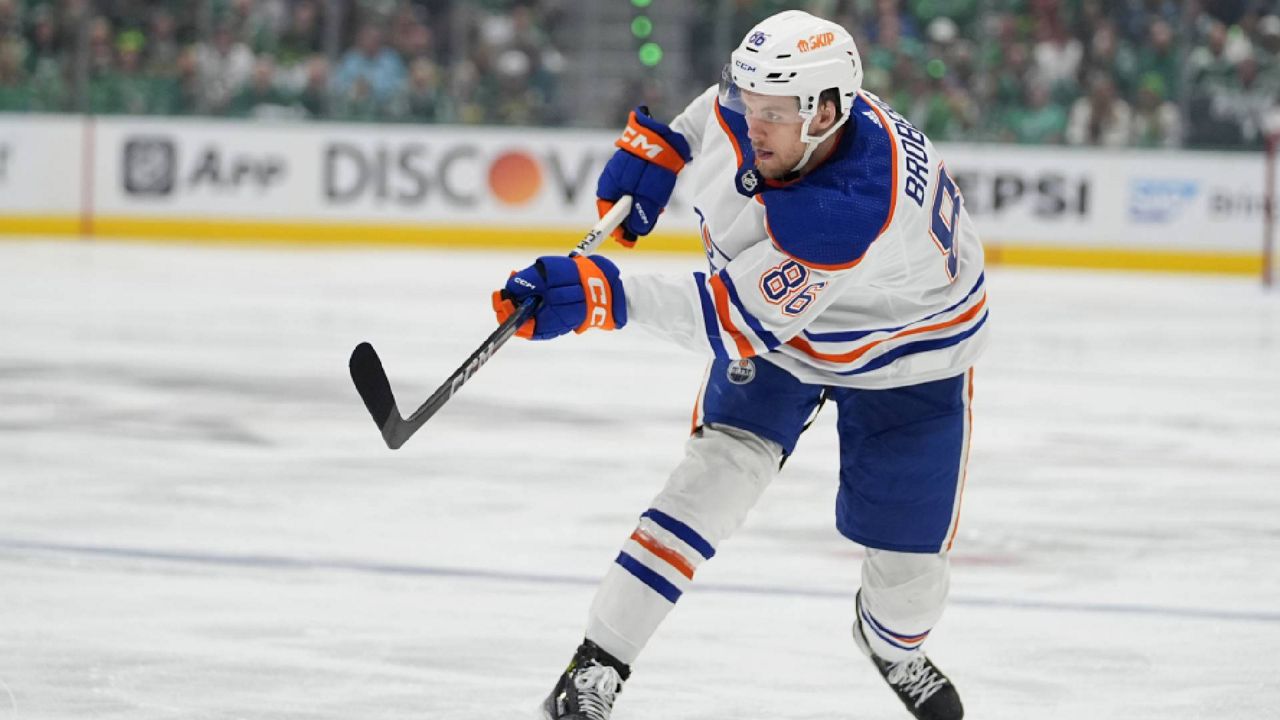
{"points": [[375, 390]]}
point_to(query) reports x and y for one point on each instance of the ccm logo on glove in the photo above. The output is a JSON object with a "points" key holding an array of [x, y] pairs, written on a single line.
{"points": [[639, 144], [645, 139], [599, 297]]}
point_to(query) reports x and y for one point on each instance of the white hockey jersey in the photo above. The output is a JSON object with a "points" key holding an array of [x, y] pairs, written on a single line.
{"points": [[865, 272]]}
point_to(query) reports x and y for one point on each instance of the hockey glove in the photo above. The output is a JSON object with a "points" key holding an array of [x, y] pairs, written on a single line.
{"points": [[645, 165], [577, 293]]}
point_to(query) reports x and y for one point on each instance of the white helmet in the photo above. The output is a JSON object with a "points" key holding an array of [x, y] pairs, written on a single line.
{"points": [[796, 54]]}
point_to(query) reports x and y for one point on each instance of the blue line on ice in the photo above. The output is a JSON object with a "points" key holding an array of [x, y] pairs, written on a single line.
{"points": [[280, 562]]}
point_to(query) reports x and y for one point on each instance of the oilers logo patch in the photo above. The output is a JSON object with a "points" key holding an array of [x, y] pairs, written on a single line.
{"points": [[741, 372], [748, 182]]}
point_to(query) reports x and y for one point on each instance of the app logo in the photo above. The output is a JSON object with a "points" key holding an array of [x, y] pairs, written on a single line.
{"points": [[150, 165]]}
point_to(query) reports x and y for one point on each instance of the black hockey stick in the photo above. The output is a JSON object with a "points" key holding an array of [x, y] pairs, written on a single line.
{"points": [[371, 380]]}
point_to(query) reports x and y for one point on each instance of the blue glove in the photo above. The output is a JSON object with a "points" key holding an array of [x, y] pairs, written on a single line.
{"points": [[578, 293], [645, 165]]}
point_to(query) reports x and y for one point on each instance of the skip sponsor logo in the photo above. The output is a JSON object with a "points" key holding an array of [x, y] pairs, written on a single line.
{"points": [[1160, 200], [814, 42]]}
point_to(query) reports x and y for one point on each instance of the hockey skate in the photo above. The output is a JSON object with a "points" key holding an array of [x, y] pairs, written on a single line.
{"points": [[587, 688], [927, 693]]}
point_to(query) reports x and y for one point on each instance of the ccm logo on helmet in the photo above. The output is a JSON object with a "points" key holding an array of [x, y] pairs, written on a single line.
{"points": [[745, 67], [813, 42]]}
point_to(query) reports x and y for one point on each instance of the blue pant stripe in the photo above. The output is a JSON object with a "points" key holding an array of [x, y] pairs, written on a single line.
{"points": [[770, 340], [659, 584], [682, 531], [709, 317]]}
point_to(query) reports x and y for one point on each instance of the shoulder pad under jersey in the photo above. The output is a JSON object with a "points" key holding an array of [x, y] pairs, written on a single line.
{"points": [[828, 218]]}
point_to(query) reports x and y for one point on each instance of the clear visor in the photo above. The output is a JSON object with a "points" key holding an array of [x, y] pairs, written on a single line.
{"points": [[782, 109]]}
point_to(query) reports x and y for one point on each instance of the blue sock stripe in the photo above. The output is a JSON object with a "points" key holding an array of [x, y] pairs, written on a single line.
{"points": [[682, 531], [888, 636], [659, 584]]}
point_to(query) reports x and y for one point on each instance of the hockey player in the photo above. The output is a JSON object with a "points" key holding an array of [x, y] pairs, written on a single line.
{"points": [[843, 267]]}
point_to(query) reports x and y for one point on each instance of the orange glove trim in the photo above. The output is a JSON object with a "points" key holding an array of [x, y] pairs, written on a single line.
{"points": [[598, 294], [504, 308], [648, 145], [603, 207]]}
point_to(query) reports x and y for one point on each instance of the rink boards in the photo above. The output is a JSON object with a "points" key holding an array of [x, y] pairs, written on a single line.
{"points": [[348, 184]]}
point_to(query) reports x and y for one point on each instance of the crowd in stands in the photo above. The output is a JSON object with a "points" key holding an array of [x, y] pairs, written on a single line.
{"points": [[1144, 73], [442, 61], [1147, 73]]}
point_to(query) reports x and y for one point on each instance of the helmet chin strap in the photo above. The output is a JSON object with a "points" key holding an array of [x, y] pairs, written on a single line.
{"points": [[812, 143]]}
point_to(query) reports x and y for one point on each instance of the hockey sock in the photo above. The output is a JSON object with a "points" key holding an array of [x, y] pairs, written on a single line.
{"points": [[902, 598]]}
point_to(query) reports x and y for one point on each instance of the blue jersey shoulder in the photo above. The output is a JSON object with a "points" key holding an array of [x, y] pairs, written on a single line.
{"points": [[829, 217]]}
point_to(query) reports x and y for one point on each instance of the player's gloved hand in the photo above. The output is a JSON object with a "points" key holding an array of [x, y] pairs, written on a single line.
{"points": [[644, 167], [578, 293]]}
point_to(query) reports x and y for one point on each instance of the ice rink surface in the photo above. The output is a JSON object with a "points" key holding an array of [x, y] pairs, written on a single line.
{"points": [[199, 520]]}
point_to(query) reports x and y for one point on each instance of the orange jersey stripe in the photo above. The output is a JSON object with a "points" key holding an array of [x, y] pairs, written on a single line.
{"points": [[721, 296], [893, 163], [803, 345], [673, 558]]}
